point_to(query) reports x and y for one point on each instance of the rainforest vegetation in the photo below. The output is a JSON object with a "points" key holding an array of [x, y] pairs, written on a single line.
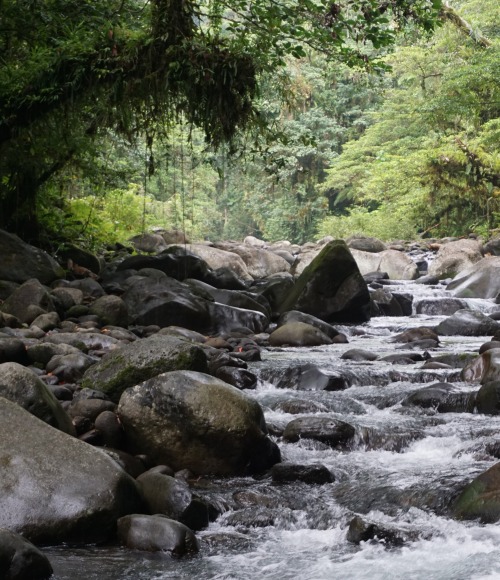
{"points": [[279, 119]]}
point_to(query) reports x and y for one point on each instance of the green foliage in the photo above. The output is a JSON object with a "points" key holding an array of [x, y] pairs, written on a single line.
{"points": [[431, 155], [69, 71]]}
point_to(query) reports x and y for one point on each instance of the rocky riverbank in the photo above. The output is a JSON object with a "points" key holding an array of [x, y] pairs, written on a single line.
{"points": [[144, 357]]}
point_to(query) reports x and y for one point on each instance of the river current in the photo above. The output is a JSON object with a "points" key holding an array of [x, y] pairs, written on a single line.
{"points": [[404, 468]]}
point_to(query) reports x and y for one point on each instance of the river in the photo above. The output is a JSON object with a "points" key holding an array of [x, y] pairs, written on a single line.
{"points": [[401, 472]]}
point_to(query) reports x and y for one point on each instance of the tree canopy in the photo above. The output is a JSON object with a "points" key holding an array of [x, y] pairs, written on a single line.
{"points": [[71, 69]]}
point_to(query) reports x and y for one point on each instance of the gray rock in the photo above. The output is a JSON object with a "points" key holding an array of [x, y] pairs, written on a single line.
{"points": [[21, 560], [331, 287], [21, 386], [483, 369], [20, 262], [454, 257], [29, 301], [313, 474], [298, 334], [42, 352], [12, 350], [195, 421], [69, 368], [332, 432], [143, 360], [366, 244], [55, 488], [467, 323], [110, 310], [157, 534], [481, 280]]}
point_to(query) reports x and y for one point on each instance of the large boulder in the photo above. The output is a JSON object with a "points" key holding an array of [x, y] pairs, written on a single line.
{"points": [[481, 280], [483, 369], [454, 257], [195, 421], [55, 488], [21, 386], [397, 265], [467, 323], [366, 244], [217, 258], [331, 287], [20, 262], [29, 301], [260, 263], [481, 498], [142, 360], [21, 560], [165, 302]]}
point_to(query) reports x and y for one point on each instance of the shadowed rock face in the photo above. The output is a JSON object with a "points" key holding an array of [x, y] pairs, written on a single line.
{"points": [[331, 287], [195, 421], [55, 488]]}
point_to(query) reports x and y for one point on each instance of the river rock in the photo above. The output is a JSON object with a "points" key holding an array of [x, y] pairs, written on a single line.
{"points": [[55, 488], [397, 265], [454, 257], [443, 397], [69, 368], [313, 473], [111, 310], [21, 560], [165, 302], [296, 316], [488, 398], [416, 335], [28, 301], [439, 306], [20, 262], [366, 244], [332, 432], [484, 368], [275, 289], [259, 262], [217, 258], [331, 287], [239, 378], [306, 377], [358, 354], [192, 420], [298, 334], [481, 280], [148, 242], [481, 498], [361, 530], [21, 386], [175, 261], [142, 360], [467, 323], [12, 350], [156, 534], [172, 497]]}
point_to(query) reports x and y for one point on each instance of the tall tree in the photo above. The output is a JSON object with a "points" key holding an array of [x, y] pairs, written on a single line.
{"points": [[69, 68]]}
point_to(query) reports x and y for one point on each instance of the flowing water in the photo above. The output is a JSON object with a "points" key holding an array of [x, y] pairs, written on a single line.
{"points": [[402, 471]]}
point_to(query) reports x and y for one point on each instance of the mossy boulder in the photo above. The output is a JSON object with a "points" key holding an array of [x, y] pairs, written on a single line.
{"points": [[331, 287], [481, 498], [190, 420], [136, 362]]}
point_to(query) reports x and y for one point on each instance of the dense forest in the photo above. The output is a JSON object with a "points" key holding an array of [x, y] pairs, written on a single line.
{"points": [[290, 120]]}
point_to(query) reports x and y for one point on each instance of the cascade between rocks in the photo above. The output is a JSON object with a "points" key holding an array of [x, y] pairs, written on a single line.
{"points": [[379, 504]]}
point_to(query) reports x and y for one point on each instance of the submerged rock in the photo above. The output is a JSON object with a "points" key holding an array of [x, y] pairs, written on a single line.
{"points": [[481, 498]]}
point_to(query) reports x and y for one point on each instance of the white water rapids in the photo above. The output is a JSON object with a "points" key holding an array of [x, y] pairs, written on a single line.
{"points": [[406, 466]]}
